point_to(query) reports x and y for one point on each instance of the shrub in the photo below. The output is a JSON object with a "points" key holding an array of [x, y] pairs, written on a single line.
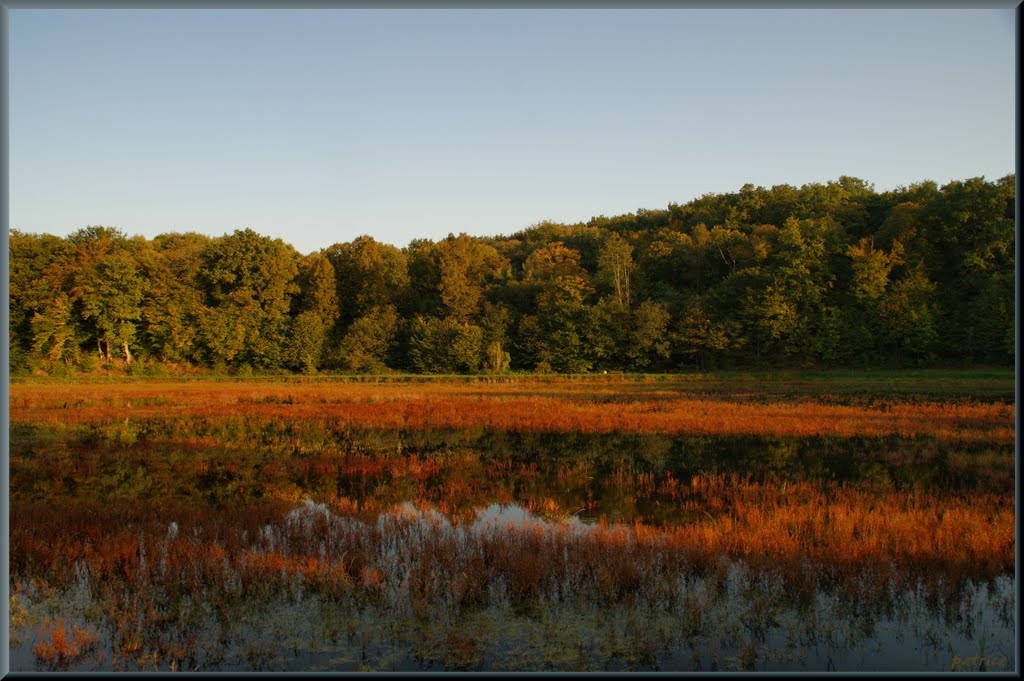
{"points": [[87, 362]]}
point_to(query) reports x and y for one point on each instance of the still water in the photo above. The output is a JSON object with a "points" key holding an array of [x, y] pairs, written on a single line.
{"points": [[434, 537]]}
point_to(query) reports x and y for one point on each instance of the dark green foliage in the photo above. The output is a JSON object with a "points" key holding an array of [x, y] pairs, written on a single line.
{"points": [[306, 342], [248, 282], [172, 303], [366, 344], [54, 336], [367, 274], [39, 269], [445, 346], [822, 275]]}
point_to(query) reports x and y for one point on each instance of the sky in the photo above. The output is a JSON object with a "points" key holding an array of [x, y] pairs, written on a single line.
{"points": [[318, 126]]}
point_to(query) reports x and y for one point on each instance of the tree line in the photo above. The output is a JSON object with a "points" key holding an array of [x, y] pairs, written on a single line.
{"points": [[833, 274]]}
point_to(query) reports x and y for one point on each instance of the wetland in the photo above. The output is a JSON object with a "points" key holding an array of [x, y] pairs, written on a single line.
{"points": [[669, 524]]}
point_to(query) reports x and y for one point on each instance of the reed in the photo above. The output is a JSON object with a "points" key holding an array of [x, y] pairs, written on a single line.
{"points": [[392, 407], [841, 532], [174, 511], [60, 646]]}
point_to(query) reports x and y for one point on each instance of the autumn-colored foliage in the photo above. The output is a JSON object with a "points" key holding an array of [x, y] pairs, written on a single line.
{"points": [[562, 408], [58, 646], [170, 508], [771, 526]]}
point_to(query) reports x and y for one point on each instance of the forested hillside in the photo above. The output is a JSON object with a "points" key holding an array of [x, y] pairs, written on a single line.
{"points": [[824, 275]]}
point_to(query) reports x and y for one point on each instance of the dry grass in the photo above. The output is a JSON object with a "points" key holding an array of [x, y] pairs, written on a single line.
{"points": [[112, 481], [144, 572], [780, 528], [60, 646], [560, 408]]}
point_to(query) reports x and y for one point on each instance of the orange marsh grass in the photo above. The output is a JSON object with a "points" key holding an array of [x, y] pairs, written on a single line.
{"points": [[563, 408], [142, 574], [779, 528]]}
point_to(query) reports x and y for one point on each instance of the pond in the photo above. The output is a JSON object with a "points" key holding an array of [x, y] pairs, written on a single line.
{"points": [[358, 549]]}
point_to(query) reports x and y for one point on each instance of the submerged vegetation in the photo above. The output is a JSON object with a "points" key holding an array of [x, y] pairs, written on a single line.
{"points": [[569, 525]]}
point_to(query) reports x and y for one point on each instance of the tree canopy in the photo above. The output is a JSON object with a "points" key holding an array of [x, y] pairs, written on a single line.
{"points": [[833, 274]]}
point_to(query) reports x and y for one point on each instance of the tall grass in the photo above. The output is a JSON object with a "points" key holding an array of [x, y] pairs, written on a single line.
{"points": [[508, 408], [151, 571], [169, 513]]}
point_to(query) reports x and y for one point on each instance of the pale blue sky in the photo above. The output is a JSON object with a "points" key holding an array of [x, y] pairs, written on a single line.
{"points": [[317, 126]]}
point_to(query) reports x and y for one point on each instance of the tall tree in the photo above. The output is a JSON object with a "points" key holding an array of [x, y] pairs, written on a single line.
{"points": [[466, 267], [556, 338], [111, 294], [909, 314], [172, 300], [40, 270], [317, 289], [704, 340], [54, 336], [445, 345], [314, 312], [248, 281], [615, 265], [368, 340], [789, 308], [91, 245], [367, 274]]}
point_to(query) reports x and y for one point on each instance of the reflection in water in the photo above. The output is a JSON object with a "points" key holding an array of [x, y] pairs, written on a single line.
{"points": [[409, 609], [412, 550]]}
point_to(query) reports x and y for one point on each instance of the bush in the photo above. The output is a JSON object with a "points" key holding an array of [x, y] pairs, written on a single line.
{"points": [[87, 362], [62, 370], [16, 358], [137, 368], [156, 370]]}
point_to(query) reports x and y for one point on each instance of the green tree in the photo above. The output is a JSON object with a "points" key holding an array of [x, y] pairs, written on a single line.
{"points": [[445, 345], [556, 338], [366, 343], [616, 266], [495, 321], [647, 341], [172, 301], [787, 307], [54, 336], [248, 281], [662, 264], [314, 312], [496, 360], [39, 271], [605, 334], [306, 349], [992, 317], [909, 314], [871, 268], [972, 227], [702, 339], [367, 274], [112, 294], [860, 320], [424, 278], [317, 289], [90, 246], [466, 267]]}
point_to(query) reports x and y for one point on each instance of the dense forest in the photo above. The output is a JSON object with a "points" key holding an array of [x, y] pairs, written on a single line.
{"points": [[823, 275]]}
